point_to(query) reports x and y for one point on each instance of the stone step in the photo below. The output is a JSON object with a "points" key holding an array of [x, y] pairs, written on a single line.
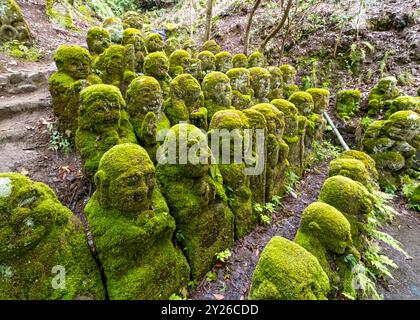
{"points": [[29, 102]]}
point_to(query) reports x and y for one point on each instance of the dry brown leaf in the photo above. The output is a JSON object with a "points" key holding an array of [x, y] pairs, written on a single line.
{"points": [[219, 296]]}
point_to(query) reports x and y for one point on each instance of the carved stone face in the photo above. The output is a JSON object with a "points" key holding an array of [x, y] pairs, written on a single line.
{"points": [[146, 95], [98, 42], [115, 62], [222, 93], [241, 83]]}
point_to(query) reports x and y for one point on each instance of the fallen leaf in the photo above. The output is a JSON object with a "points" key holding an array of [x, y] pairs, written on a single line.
{"points": [[242, 298], [219, 296], [24, 171], [257, 253]]}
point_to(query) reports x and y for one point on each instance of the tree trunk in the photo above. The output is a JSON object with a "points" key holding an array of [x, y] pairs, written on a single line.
{"points": [[209, 14], [248, 26], [279, 26]]}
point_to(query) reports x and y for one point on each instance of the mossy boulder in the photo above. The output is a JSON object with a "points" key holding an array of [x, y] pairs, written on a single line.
{"points": [[190, 46], [276, 83], [256, 59], [178, 62], [367, 160], [403, 125], [196, 198], [289, 89], [98, 40], [132, 228], [133, 20], [240, 60], [325, 232], [381, 96], [154, 42], [145, 109], [227, 129], [115, 28], [73, 75], [404, 103], [217, 93], [116, 66], [350, 168], [287, 271], [186, 102], [212, 46], [103, 123], [223, 61], [289, 73], [347, 103], [156, 64], [260, 83], [13, 25], [303, 101], [242, 93], [277, 150], [38, 237], [321, 99]]}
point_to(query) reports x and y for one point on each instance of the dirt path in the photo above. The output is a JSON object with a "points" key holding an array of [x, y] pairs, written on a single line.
{"points": [[406, 229], [234, 278]]}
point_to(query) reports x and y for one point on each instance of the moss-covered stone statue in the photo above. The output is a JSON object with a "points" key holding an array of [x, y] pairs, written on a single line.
{"points": [[394, 144], [276, 83], [242, 93], [171, 45], [186, 102], [347, 103], [156, 65], [144, 99], [227, 129], [12, 23], [260, 83], [223, 61], [178, 62], [44, 254], [73, 75], [154, 42], [381, 96], [351, 198], [115, 28], [208, 63], [116, 66], [277, 150], [321, 98], [103, 123], [289, 86], [132, 19], [132, 228], [240, 60], [404, 103], [325, 232], [287, 271], [134, 37], [193, 188], [98, 40], [217, 93], [190, 45], [256, 59], [212, 46], [292, 135]]}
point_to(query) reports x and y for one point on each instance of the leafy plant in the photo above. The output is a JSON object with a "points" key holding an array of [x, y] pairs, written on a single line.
{"points": [[408, 189], [223, 255], [322, 151], [174, 296], [19, 50], [57, 140], [211, 276]]}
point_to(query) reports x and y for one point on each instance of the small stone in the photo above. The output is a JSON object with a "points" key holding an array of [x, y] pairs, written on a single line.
{"points": [[17, 77]]}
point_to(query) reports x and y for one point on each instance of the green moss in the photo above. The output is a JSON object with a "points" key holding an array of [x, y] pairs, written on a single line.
{"points": [[156, 65], [132, 228], [321, 99], [325, 232], [303, 101], [290, 116], [212, 46], [276, 83], [133, 20], [12, 23], [73, 60], [289, 89], [256, 59], [197, 201], [241, 88], [389, 160], [208, 62], [134, 37], [368, 161], [103, 123], [403, 125], [223, 61], [240, 60], [404, 103], [286, 271], [289, 74], [217, 93], [154, 42], [171, 45], [348, 103], [235, 180], [115, 28], [186, 102], [190, 46], [350, 168], [98, 39], [381, 96], [260, 83], [38, 233], [178, 62]]}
